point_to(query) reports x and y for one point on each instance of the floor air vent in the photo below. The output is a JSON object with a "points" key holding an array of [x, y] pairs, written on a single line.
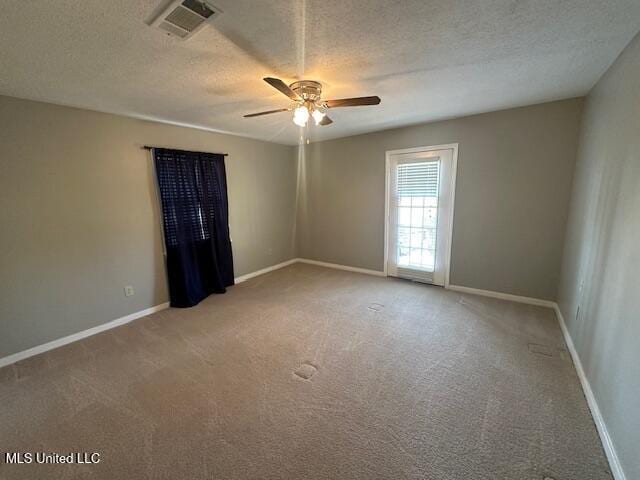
{"points": [[182, 18]]}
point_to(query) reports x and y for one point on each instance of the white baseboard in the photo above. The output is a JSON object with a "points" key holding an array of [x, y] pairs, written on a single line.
{"points": [[45, 347], [503, 296], [607, 443], [473, 291], [337, 266], [244, 278], [16, 357]]}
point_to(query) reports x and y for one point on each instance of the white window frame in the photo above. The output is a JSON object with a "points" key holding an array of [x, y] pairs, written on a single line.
{"points": [[448, 229]]}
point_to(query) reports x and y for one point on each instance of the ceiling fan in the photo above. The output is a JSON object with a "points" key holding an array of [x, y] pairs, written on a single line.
{"points": [[308, 103]]}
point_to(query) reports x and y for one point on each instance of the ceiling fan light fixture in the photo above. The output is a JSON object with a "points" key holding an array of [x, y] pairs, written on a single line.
{"points": [[301, 116], [306, 95], [318, 116]]}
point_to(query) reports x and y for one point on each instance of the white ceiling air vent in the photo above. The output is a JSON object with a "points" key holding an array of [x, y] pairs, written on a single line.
{"points": [[182, 18]]}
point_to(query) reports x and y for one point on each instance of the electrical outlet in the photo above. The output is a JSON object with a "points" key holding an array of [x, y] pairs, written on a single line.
{"points": [[128, 291]]}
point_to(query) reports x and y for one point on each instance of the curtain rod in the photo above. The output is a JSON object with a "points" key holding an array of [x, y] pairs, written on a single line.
{"points": [[147, 147]]}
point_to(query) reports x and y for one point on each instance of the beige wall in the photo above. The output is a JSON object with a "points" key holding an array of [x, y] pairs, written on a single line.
{"points": [[80, 221], [512, 194], [600, 284], [82, 217]]}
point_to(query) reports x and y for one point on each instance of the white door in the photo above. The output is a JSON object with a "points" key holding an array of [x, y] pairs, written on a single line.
{"points": [[420, 188]]}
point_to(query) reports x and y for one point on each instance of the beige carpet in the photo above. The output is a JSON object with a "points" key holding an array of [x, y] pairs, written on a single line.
{"points": [[394, 380]]}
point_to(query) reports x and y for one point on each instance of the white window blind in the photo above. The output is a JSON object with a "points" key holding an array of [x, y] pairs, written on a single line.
{"points": [[417, 220], [418, 179]]}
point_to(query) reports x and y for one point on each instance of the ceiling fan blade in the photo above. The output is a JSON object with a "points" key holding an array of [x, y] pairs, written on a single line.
{"points": [[283, 87], [352, 102], [325, 121], [267, 112]]}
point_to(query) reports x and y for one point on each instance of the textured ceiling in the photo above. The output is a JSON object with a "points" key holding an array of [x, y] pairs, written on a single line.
{"points": [[426, 59]]}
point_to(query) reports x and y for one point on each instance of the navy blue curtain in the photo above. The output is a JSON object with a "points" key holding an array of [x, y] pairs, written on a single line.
{"points": [[195, 211]]}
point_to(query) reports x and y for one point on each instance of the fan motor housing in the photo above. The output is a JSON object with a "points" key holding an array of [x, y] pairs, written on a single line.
{"points": [[308, 90]]}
